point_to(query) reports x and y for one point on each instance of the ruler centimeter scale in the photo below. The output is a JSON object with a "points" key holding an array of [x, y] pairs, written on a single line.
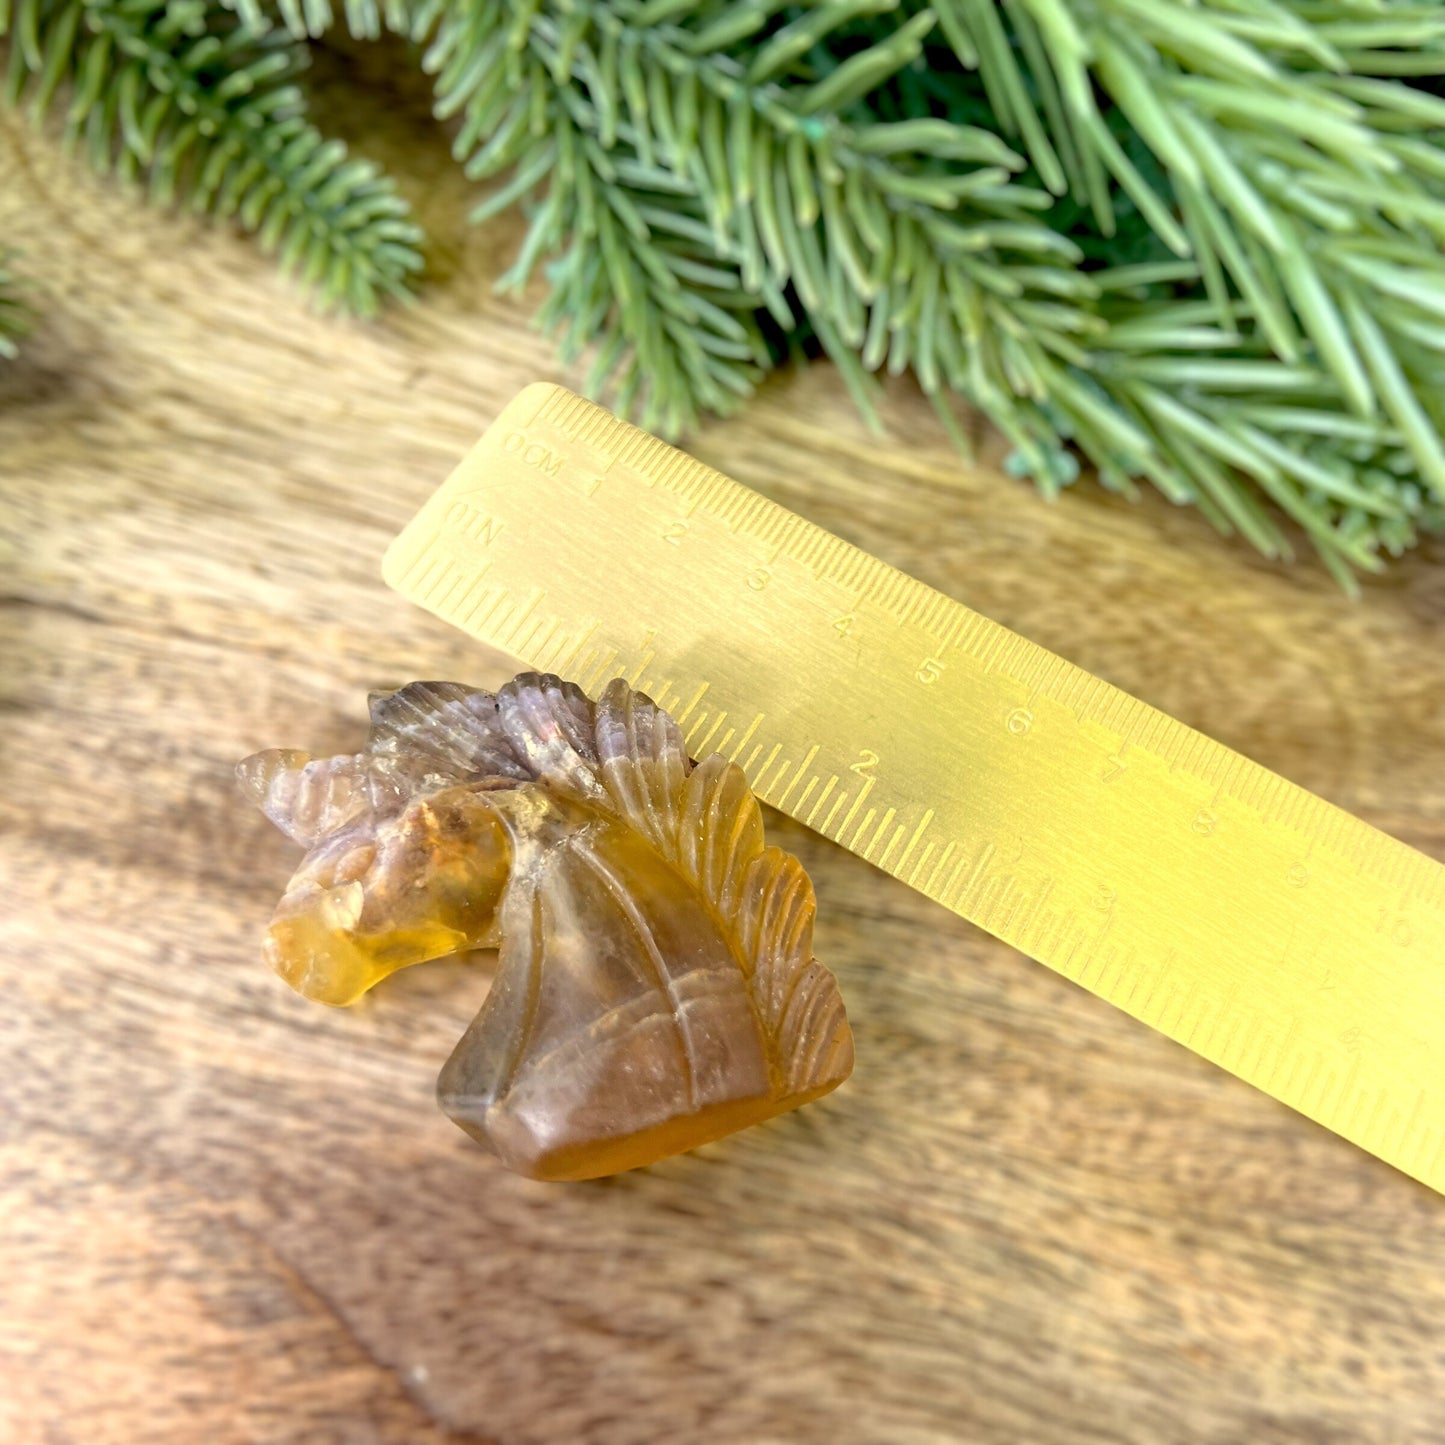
{"points": [[1265, 929]]}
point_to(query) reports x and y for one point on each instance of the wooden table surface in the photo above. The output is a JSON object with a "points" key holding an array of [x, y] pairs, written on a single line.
{"points": [[227, 1214]]}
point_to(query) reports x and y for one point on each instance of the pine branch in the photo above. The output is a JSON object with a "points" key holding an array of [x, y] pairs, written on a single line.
{"points": [[672, 331], [1311, 210], [793, 196], [1198, 245], [205, 107], [1237, 427]]}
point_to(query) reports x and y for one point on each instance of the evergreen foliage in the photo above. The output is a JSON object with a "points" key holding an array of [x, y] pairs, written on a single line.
{"points": [[1201, 244], [205, 106]]}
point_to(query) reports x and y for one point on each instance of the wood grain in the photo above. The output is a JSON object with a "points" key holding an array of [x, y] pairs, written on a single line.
{"points": [[229, 1215]]}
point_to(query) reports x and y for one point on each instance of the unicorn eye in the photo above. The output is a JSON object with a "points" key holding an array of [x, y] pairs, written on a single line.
{"points": [[655, 988]]}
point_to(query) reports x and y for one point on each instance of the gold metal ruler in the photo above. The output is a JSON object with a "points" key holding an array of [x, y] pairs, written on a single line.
{"points": [[1258, 925]]}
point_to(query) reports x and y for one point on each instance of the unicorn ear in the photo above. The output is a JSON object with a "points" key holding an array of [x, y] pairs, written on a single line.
{"points": [[453, 729], [550, 725], [307, 798]]}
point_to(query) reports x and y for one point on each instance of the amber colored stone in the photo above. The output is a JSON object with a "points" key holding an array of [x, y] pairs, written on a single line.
{"points": [[656, 987]]}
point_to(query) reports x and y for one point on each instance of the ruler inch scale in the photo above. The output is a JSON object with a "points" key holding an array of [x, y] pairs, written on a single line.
{"points": [[1258, 925]]}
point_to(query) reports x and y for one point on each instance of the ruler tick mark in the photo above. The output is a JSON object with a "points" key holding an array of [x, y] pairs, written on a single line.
{"points": [[938, 868], [767, 761], [827, 824], [570, 660], [550, 647], [860, 829], [640, 667], [744, 740], [802, 768], [913, 841], [857, 803], [918, 867], [702, 745], [882, 829], [979, 864], [822, 798], [497, 601], [1412, 1124], [1041, 894], [947, 893]]}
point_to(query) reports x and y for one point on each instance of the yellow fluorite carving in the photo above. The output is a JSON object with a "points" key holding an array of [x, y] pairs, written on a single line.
{"points": [[656, 987]]}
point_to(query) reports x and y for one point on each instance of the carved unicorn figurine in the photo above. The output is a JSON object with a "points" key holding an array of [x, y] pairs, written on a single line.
{"points": [[656, 987]]}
